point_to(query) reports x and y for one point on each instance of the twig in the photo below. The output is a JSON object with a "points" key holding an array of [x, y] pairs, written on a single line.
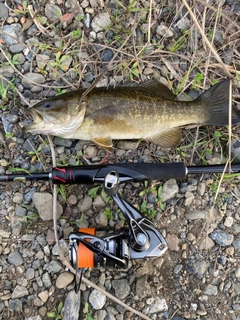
{"points": [[37, 155], [230, 124], [35, 19], [203, 23], [210, 46], [213, 35], [149, 22], [194, 145], [230, 68]]}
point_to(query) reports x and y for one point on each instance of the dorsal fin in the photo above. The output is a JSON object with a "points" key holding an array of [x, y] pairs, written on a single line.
{"points": [[153, 87]]}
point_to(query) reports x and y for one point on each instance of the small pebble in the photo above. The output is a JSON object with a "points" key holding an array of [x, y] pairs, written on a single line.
{"points": [[44, 296], [202, 312], [173, 242], [64, 279], [230, 251], [100, 21], [211, 290], [178, 268], [164, 31], [228, 222], [72, 199], [237, 273], [221, 237], [15, 258]]}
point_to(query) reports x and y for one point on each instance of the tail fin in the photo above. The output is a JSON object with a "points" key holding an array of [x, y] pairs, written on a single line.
{"points": [[216, 99]]}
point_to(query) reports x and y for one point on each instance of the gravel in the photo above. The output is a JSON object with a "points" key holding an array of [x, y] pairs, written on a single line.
{"points": [[201, 266]]}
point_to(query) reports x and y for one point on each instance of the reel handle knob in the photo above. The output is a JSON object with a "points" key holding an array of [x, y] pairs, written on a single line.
{"points": [[111, 183]]}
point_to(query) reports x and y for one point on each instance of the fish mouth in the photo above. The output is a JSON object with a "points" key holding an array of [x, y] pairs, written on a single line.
{"points": [[39, 123]]}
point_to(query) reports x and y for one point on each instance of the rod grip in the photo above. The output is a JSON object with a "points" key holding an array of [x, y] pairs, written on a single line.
{"points": [[145, 171], [127, 172]]}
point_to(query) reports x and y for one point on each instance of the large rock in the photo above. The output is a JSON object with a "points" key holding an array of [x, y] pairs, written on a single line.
{"points": [[43, 202], [72, 306], [11, 33]]}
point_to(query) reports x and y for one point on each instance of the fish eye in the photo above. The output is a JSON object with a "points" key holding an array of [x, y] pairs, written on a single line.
{"points": [[47, 105]]}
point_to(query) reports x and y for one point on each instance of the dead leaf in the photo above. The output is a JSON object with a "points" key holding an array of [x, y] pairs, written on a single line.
{"points": [[27, 24], [20, 7], [23, 20], [67, 17]]}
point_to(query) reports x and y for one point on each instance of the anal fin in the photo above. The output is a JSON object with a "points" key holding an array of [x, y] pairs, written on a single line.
{"points": [[105, 143], [167, 139]]}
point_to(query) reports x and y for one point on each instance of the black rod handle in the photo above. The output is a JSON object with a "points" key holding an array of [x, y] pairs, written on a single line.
{"points": [[126, 172], [145, 171]]}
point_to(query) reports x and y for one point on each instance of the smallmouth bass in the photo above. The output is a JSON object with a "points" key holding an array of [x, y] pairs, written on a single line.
{"points": [[137, 111]]}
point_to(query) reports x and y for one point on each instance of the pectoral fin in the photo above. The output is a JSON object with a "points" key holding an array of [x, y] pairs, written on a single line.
{"points": [[167, 139], [105, 143]]}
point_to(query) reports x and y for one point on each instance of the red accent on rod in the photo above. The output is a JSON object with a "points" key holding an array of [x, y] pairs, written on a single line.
{"points": [[7, 178], [61, 169], [57, 178]]}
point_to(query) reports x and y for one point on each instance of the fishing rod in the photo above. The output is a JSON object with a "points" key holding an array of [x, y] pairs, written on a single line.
{"points": [[127, 172], [141, 238]]}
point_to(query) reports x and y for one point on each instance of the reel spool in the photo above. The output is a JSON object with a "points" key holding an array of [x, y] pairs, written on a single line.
{"points": [[95, 252], [85, 256]]}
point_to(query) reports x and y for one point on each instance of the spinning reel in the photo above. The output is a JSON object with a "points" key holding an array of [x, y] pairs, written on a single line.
{"points": [[140, 240]]}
